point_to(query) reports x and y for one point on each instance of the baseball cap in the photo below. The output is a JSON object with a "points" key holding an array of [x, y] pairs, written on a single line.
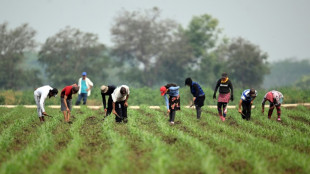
{"points": [[163, 90], [84, 73]]}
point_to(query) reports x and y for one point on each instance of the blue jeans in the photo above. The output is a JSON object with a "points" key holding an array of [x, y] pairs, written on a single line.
{"points": [[82, 95]]}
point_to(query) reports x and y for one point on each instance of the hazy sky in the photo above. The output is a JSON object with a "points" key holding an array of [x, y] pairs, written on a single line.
{"points": [[280, 27]]}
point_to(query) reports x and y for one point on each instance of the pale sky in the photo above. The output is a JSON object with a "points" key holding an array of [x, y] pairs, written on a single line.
{"points": [[279, 27]]}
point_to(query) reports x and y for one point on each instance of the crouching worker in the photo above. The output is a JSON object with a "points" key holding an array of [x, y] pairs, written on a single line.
{"points": [[107, 90], [247, 98], [198, 95], [275, 99], [173, 104], [40, 94], [66, 100], [120, 97]]}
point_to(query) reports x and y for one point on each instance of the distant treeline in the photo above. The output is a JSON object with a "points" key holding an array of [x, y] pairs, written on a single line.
{"points": [[148, 51]]}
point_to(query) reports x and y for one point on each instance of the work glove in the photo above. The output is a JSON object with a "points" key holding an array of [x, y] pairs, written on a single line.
{"points": [[214, 96], [232, 98]]}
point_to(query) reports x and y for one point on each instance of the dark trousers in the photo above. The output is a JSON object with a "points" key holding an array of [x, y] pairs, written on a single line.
{"points": [[82, 95], [199, 102], [110, 107], [121, 110], [246, 110], [219, 108], [271, 107], [172, 115]]}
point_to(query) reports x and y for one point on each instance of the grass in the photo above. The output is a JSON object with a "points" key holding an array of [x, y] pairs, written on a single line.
{"points": [[148, 144]]}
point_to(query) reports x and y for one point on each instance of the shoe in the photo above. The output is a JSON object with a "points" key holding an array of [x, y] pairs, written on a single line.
{"points": [[171, 122], [222, 118], [69, 122], [279, 119]]}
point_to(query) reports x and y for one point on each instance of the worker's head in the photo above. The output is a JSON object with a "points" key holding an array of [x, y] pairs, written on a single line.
{"points": [[163, 90], [188, 81], [53, 93], [75, 89], [123, 91], [84, 75], [252, 92], [104, 89], [224, 75]]}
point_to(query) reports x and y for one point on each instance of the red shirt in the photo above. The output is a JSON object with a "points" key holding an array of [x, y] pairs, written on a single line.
{"points": [[67, 91]]}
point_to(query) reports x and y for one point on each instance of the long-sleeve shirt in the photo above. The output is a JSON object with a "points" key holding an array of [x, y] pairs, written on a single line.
{"points": [[88, 84], [109, 93], [117, 96], [224, 87], [42, 92], [173, 92]]}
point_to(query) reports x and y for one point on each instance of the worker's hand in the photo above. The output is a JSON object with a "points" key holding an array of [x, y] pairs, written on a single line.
{"points": [[44, 113], [251, 102], [68, 110], [126, 104], [105, 111], [239, 110], [114, 112], [168, 111], [214, 96], [87, 89], [194, 98]]}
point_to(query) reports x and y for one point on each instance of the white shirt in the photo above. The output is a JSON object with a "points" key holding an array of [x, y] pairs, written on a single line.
{"points": [[42, 93], [88, 83], [117, 96]]}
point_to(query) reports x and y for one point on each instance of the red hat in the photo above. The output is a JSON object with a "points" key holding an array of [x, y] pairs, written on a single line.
{"points": [[163, 90]]}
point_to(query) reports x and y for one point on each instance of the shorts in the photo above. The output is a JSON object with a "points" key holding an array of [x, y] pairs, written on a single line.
{"points": [[63, 106]]}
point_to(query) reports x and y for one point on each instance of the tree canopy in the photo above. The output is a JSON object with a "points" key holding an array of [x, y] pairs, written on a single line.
{"points": [[13, 45], [69, 53]]}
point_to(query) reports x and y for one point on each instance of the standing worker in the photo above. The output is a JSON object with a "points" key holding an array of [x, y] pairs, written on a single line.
{"points": [[120, 97], [247, 98], [40, 95], [225, 93], [85, 88], [198, 95], [107, 90], [275, 99], [66, 100], [173, 104]]}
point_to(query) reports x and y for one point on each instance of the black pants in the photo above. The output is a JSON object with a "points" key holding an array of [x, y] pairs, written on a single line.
{"points": [[121, 110], [246, 110], [110, 107], [172, 115], [199, 102]]}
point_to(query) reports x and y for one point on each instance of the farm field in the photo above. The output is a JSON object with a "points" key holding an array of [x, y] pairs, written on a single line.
{"points": [[148, 144]]}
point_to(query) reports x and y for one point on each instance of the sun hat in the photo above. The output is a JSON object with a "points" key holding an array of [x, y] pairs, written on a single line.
{"points": [[84, 73], [104, 89]]}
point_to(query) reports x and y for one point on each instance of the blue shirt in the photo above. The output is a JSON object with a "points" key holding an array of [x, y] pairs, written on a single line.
{"points": [[173, 91], [245, 96], [83, 86]]}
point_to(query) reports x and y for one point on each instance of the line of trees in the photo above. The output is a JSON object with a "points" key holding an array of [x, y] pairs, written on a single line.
{"points": [[147, 51]]}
